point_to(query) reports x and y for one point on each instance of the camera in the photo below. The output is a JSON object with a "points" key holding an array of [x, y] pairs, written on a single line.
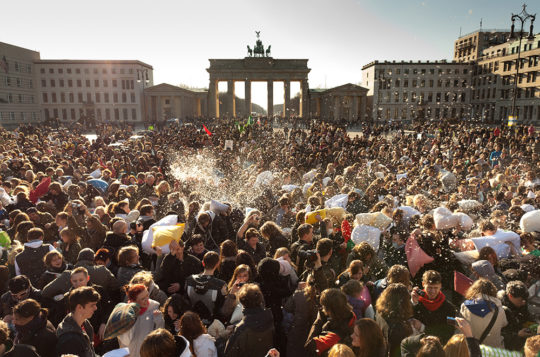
{"points": [[310, 257]]}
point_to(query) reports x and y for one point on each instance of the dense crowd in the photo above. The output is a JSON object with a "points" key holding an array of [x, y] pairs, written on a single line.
{"points": [[240, 239]]}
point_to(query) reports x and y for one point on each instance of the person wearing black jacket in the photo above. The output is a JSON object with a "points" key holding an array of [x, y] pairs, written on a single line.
{"points": [[515, 307], [75, 333], [305, 242], [20, 289], [275, 237], [432, 308], [176, 267], [252, 245], [33, 328]]}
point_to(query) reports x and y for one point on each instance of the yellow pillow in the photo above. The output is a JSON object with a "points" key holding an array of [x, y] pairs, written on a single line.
{"points": [[163, 235], [310, 217]]}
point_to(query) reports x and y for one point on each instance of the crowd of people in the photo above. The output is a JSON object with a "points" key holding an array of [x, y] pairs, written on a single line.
{"points": [[242, 239]]}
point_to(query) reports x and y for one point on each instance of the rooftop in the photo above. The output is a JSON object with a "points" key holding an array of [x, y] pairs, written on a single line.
{"points": [[71, 61]]}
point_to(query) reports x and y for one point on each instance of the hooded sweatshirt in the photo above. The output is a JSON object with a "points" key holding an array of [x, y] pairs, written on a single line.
{"points": [[485, 270], [479, 312]]}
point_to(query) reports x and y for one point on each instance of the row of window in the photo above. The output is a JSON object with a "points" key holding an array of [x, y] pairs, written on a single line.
{"points": [[19, 67], [23, 116], [17, 98], [406, 113], [125, 83], [380, 73], [491, 93], [88, 70], [88, 98], [415, 83], [9, 81], [422, 98], [107, 114], [525, 112]]}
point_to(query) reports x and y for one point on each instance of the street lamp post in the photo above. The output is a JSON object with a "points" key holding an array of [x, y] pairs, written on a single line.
{"points": [[142, 76], [523, 16]]}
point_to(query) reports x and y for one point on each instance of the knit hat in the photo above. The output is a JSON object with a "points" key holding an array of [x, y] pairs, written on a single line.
{"points": [[86, 254]]}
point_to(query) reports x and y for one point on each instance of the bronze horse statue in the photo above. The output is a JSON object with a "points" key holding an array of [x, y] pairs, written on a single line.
{"points": [[268, 51], [250, 51]]}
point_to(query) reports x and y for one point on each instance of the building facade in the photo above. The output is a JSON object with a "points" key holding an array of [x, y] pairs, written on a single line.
{"points": [[417, 90], [165, 101], [494, 78], [469, 47], [93, 90], [19, 102]]}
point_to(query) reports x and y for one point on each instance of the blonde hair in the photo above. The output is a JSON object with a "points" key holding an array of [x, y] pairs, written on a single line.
{"points": [[457, 346], [143, 277], [341, 350]]}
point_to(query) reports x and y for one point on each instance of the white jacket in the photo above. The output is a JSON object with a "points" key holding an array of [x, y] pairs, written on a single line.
{"points": [[145, 323]]}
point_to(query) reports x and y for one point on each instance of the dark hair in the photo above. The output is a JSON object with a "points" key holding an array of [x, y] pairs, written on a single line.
{"points": [[146, 210], [82, 296], [432, 277], [324, 246], [251, 232], [29, 308], [191, 326], [49, 257], [179, 305], [4, 333], [372, 342], [210, 260], [335, 303], [126, 255], [352, 288], [517, 289], [250, 296], [395, 303], [431, 347], [196, 239], [159, 342], [304, 229], [35, 233], [18, 283]]}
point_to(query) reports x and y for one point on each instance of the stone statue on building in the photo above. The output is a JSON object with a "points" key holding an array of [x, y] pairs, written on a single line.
{"points": [[258, 50]]}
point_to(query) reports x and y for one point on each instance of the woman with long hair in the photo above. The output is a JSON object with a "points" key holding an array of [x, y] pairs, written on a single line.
{"points": [[241, 276], [367, 339], [22, 230], [227, 260], [173, 309], [394, 310], [69, 245], [162, 189], [301, 310], [335, 318], [275, 237], [33, 328], [149, 319], [480, 307], [95, 233], [354, 271], [162, 343], [192, 328]]}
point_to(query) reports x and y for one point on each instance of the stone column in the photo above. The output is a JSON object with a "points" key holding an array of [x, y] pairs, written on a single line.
{"points": [[247, 94], [198, 107], [230, 98], [270, 101], [362, 113], [213, 106], [159, 117], [354, 108], [337, 103], [304, 99], [287, 99]]}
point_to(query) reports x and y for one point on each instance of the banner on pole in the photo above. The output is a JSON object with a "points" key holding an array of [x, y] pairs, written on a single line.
{"points": [[512, 120]]}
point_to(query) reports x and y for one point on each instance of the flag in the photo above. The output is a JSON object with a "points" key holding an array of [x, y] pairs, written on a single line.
{"points": [[207, 131], [250, 121], [4, 64], [416, 257], [461, 283], [259, 121], [151, 127]]}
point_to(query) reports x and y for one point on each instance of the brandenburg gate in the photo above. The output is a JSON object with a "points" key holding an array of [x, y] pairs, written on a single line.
{"points": [[259, 66]]}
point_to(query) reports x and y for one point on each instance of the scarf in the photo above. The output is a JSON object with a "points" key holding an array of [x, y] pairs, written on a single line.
{"points": [[432, 305], [143, 310]]}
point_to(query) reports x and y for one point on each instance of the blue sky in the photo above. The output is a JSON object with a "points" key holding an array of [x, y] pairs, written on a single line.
{"points": [[177, 37]]}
